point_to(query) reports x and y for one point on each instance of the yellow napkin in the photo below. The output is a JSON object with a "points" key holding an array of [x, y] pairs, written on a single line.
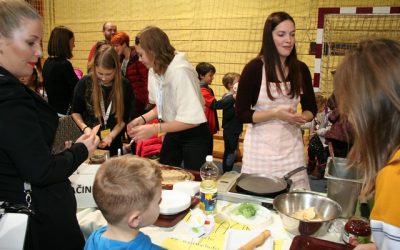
{"points": [[278, 244], [215, 240]]}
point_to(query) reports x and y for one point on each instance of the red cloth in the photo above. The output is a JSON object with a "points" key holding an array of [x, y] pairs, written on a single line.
{"points": [[91, 53], [151, 146], [210, 113], [137, 74]]}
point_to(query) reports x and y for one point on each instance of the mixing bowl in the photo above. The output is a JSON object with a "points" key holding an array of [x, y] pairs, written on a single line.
{"points": [[327, 210]]}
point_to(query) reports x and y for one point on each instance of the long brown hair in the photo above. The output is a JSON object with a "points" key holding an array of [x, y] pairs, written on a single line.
{"points": [[156, 44], [107, 58], [271, 57], [367, 89]]}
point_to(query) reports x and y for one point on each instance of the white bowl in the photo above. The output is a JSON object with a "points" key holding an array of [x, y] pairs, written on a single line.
{"points": [[174, 202]]}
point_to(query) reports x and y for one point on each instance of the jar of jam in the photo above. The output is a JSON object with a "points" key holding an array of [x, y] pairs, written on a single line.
{"points": [[357, 231]]}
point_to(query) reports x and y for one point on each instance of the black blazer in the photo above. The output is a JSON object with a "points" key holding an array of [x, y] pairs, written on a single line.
{"points": [[28, 126], [59, 81]]}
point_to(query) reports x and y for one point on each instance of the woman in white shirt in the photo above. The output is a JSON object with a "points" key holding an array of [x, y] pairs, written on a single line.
{"points": [[173, 87]]}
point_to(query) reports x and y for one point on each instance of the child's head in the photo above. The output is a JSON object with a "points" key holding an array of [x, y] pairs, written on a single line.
{"points": [[205, 72], [107, 71], [321, 101], [230, 79], [128, 189], [331, 102], [366, 87]]}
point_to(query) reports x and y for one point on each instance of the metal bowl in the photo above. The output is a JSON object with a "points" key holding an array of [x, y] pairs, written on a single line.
{"points": [[327, 209]]}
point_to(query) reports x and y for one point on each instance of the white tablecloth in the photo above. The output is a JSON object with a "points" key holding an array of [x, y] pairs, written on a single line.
{"points": [[90, 219]]}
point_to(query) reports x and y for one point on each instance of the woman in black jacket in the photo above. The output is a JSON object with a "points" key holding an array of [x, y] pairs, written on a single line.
{"points": [[28, 126], [59, 77]]}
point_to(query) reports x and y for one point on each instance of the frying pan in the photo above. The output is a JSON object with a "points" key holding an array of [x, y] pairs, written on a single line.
{"points": [[265, 184]]}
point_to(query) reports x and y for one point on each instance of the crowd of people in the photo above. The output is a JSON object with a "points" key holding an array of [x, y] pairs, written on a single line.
{"points": [[152, 90]]}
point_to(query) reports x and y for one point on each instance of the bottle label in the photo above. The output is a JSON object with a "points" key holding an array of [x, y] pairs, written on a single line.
{"points": [[354, 240], [208, 201]]}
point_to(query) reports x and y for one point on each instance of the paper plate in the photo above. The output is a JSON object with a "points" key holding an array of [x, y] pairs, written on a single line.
{"points": [[235, 238], [174, 202]]}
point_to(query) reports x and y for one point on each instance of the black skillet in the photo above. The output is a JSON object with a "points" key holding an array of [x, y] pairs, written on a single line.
{"points": [[265, 184]]}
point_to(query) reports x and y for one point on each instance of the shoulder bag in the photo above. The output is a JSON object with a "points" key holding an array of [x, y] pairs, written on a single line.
{"points": [[14, 220]]}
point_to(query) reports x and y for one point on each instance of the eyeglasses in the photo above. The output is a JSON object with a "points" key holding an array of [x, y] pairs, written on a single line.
{"points": [[137, 40]]}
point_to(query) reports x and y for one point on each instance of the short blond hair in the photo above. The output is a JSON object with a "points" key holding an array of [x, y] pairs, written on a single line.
{"points": [[123, 184]]}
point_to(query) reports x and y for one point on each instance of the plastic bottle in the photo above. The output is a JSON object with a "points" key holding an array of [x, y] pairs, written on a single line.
{"points": [[208, 186]]}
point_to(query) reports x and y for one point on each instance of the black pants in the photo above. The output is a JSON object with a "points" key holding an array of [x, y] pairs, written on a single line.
{"points": [[231, 141], [189, 147]]}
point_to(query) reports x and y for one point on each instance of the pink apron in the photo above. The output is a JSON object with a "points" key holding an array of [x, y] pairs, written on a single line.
{"points": [[275, 147]]}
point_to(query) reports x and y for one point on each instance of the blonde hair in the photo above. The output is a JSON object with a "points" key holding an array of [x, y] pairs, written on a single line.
{"points": [[124, 184], [12, 12], [155, 42], [367, 89], [106, 57]]}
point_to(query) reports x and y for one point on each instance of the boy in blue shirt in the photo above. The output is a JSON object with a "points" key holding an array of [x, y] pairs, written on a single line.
{"points": [[127, 190]]}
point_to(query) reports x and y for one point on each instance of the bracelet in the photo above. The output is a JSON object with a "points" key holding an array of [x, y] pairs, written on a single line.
{"points": [[143, 119], [83, 130]]}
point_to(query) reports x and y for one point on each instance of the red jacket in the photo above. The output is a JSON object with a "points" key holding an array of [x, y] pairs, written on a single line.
{"points": [[211, 106], [137, 74]]}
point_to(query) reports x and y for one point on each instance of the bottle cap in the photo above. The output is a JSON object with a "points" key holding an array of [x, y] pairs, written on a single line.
{"points": [[209, 158]]}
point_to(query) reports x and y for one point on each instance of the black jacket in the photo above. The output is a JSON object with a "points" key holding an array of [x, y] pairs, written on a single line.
{"points": [[28, 126], [59, 80]]}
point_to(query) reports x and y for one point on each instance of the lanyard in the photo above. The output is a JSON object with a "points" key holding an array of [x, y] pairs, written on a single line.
{"points": [[105, 114], [159, 97]]}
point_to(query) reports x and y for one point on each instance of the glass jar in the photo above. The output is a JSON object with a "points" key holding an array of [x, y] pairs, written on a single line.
{"points": [[357, 231]]}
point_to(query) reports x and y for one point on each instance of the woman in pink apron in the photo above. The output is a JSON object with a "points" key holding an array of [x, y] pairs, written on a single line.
{"points": [[271, 87]]}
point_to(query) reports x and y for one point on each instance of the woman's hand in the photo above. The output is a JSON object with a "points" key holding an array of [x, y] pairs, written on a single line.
{"points": [[106, 142], [134, 123], [142, 132], [90, 141], [68, 144], [289, 115], [87, 131], [369, 246]]}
